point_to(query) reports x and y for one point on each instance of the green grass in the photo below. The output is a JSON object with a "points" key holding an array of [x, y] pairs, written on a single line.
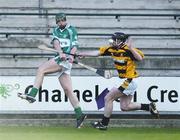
{"points": [[69, 133]]}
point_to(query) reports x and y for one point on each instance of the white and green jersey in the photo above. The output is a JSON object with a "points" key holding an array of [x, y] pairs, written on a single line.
{"points": [[67, 37]]}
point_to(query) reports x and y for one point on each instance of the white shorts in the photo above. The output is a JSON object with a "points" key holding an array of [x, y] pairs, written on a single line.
{"points": [[66, 66], [131, 89]]}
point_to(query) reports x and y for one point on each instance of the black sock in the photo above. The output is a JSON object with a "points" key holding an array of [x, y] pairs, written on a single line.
{"points": [[105, 120], [145, 107]]}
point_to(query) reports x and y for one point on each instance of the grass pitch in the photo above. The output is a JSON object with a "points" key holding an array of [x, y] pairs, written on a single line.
{"points": [[69, 133]]}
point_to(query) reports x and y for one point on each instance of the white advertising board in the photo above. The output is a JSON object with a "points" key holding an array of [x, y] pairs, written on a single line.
{"points": [[165, 91]]}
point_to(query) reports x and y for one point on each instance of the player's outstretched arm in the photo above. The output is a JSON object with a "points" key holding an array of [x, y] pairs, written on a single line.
{"points": [[90, 53]]}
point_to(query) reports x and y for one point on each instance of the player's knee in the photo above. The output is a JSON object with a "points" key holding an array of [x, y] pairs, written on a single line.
{"points": [[110, 96], [40, 70], [124, 108], [107, 98]]}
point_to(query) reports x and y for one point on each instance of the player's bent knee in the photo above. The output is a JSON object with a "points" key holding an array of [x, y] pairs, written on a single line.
{"points": [[124, 108], [40, 70], [108, 98]]}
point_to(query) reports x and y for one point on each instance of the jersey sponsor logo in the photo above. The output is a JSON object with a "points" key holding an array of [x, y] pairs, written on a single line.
{"points": [[64, 42]]}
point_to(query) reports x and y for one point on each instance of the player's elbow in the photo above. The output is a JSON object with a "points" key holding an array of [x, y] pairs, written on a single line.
{"points": [[140, 58]]}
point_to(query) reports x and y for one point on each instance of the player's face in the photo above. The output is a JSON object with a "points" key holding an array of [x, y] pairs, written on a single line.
{"points": [[117, 43], [61, 23]]}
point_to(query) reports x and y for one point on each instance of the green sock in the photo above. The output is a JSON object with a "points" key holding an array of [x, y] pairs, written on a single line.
{"points": [[33, 92], [78, 112]]}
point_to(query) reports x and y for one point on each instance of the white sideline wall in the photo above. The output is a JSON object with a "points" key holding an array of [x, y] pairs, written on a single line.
{"points": [[162, 90]]}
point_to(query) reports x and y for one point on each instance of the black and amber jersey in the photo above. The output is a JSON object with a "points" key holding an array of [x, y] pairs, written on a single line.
{"points": [[124, 60]]}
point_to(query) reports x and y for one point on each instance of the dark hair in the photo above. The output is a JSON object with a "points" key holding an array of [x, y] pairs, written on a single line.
{"points": [[60, 16], [119, 36]]}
